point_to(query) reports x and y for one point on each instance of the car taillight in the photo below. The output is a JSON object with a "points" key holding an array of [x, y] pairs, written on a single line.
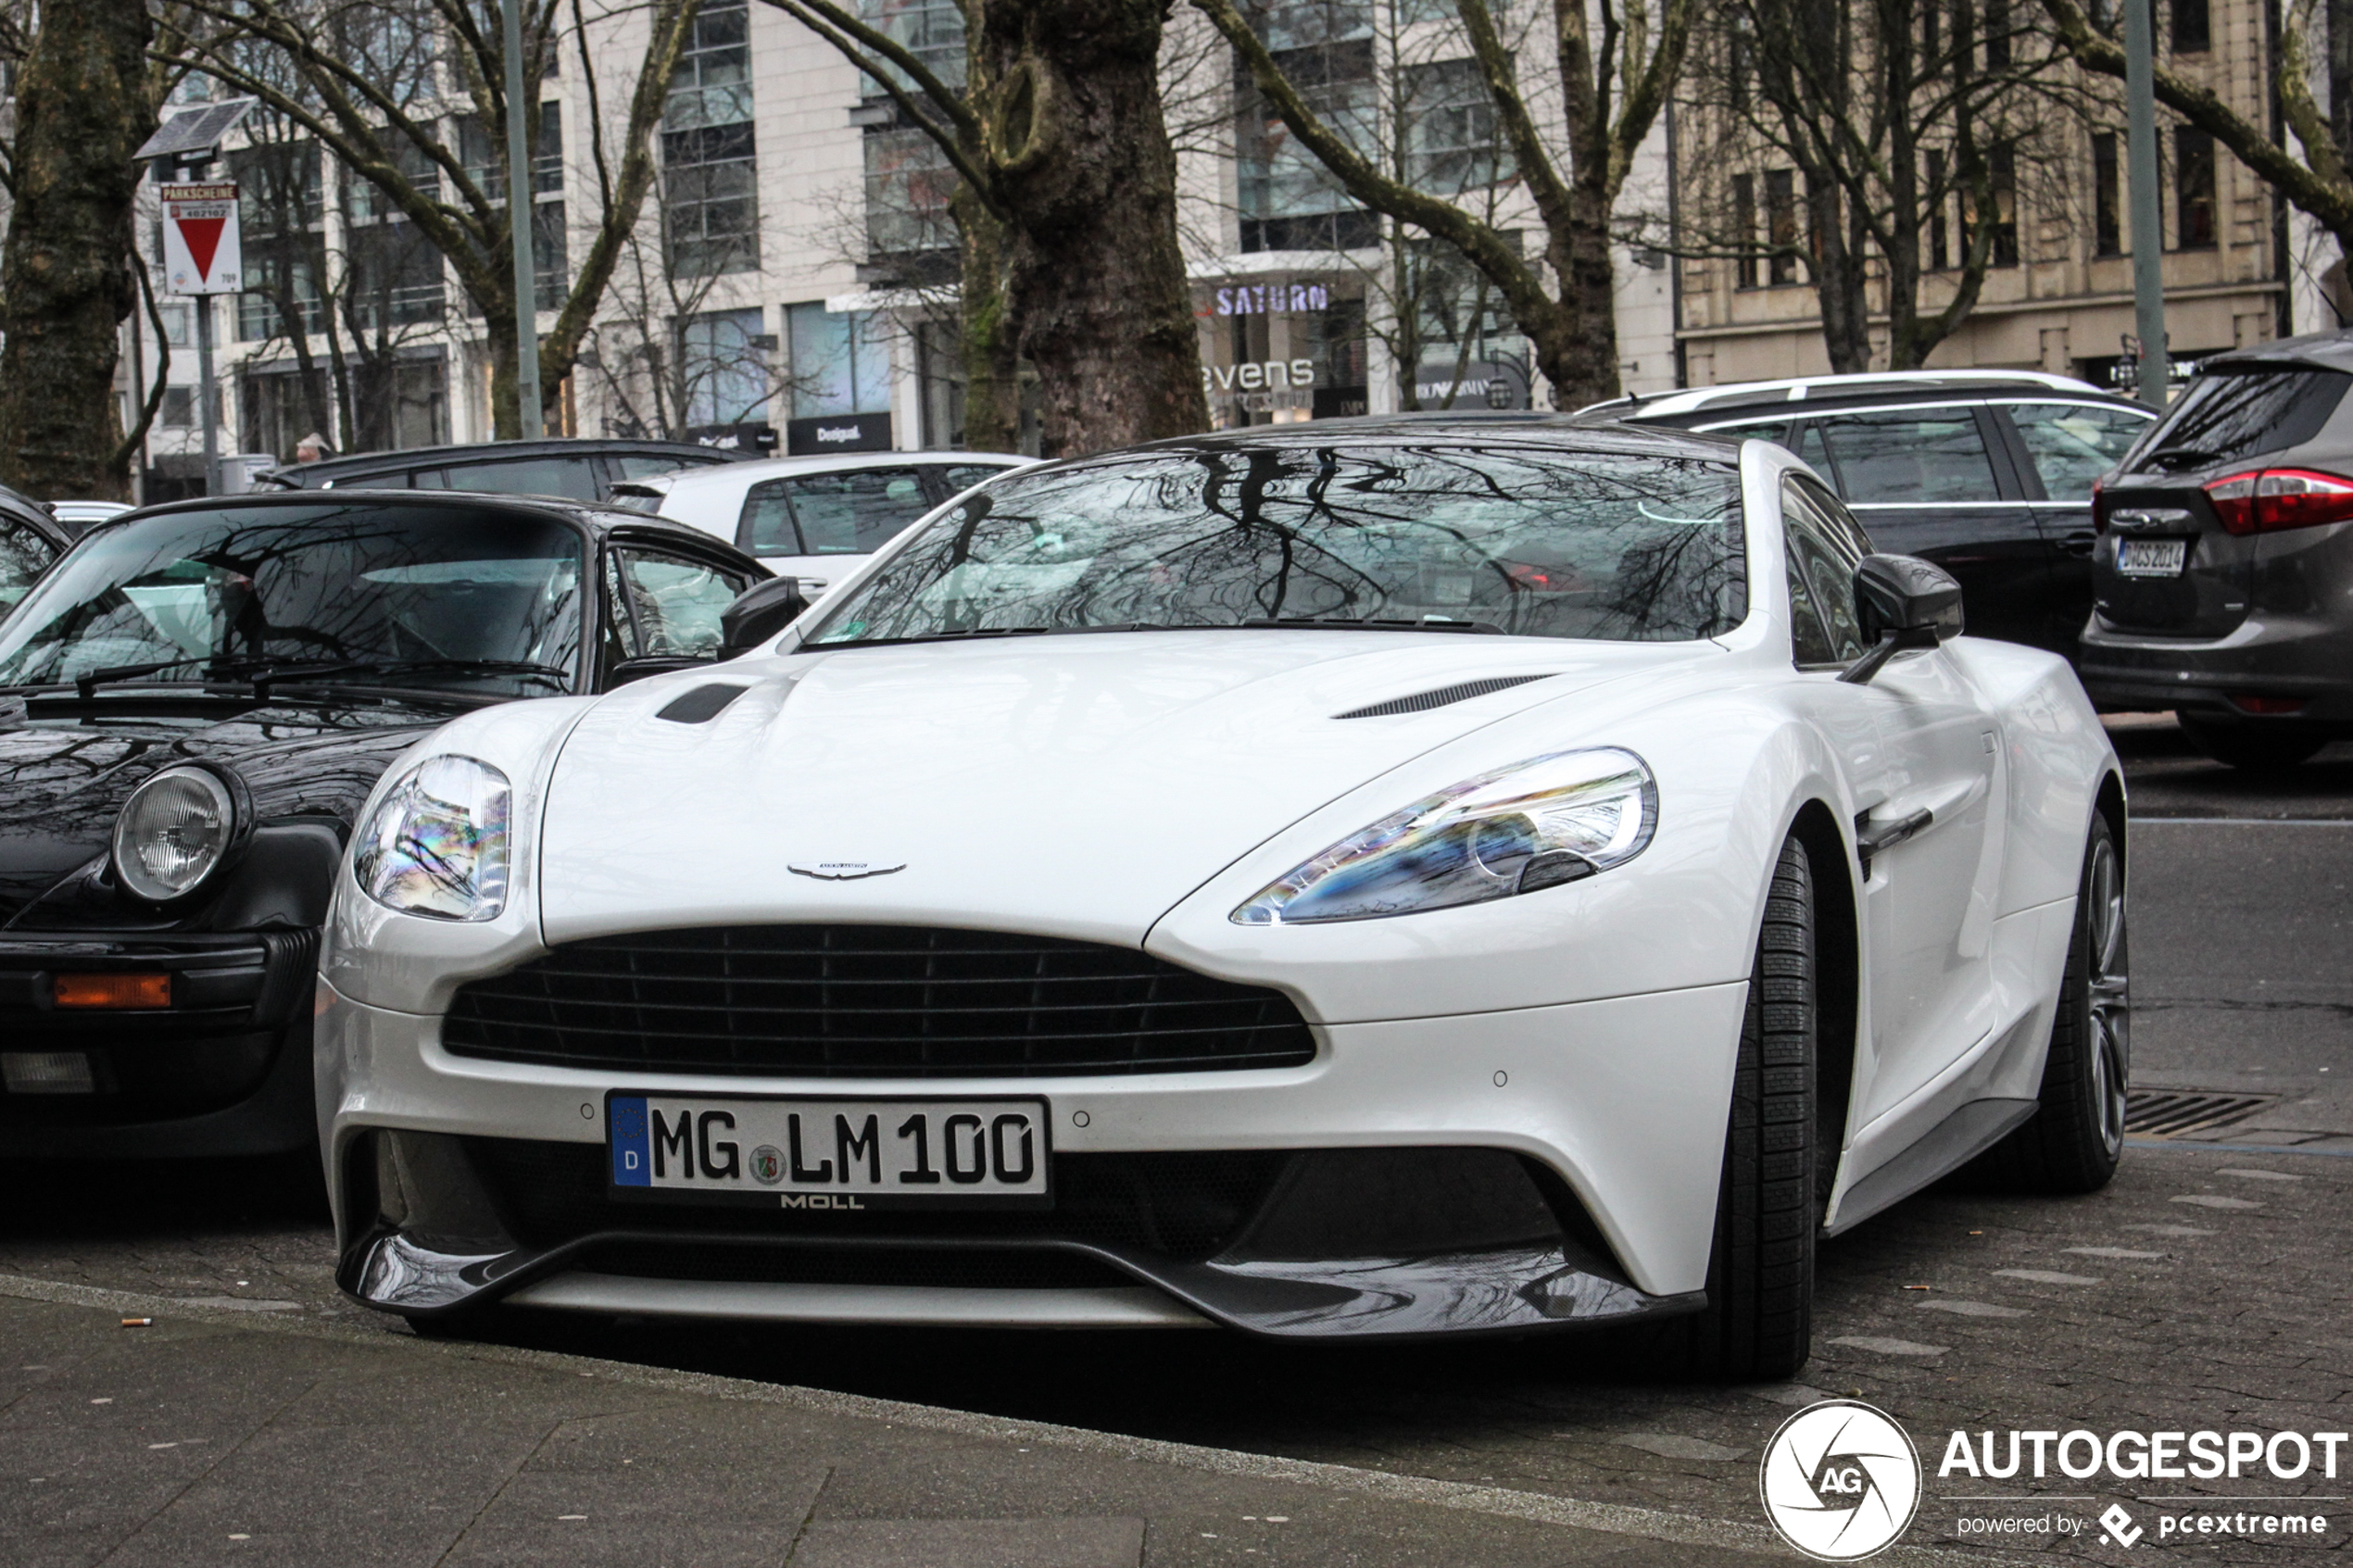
{"points": [[2273, 499]]}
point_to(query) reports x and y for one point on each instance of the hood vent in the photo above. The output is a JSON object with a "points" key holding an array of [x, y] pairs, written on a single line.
{"points": [[1441, 697], [700, 705]]}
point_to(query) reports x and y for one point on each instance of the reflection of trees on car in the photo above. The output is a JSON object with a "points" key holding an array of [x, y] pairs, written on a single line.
{"points": [[385, 585], [1631, 548]]}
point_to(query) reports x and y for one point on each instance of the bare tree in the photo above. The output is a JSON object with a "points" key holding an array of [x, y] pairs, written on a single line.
{"points": [[385, 85], [1608, 94], [1885, 120], [1066, 213], [67, 282]]}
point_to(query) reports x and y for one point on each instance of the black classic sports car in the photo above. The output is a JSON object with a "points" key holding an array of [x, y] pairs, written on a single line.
{"points": [[196, 699]]}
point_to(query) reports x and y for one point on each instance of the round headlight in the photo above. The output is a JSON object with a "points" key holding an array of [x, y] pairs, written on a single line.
{"points": [[172, 832]]}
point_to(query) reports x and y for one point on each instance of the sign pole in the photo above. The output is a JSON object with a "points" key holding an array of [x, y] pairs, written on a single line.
{"points": [[2149, 235], [520, 211], [208, 396]]}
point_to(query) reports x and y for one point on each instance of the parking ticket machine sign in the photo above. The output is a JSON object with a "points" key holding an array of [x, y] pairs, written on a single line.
{"points": [[201, 254]]}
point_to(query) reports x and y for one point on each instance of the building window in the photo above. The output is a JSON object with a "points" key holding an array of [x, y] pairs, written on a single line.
{"points": [[932, 31], [840, 362], [1939, 230], [179, 325], [2002, 171], [179, 411], [282, 214], [909, 184], [725, 359], [2108, 205], [1997, 35], [1780, 224], [711, 207], [394, 277], [1289, 201], [1451, 145], [2193, 27], [1744, 229], [2194, 187]]}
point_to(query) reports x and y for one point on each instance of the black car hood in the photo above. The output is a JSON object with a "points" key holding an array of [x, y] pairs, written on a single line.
{"points": [[65, 773]]}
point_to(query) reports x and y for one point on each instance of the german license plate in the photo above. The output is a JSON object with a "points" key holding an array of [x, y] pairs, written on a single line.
{"points": [[2151, 558], [832, 1154]]}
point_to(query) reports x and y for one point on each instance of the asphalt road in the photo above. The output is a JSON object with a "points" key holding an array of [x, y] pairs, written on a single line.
{"points": [[2206, 1287]]}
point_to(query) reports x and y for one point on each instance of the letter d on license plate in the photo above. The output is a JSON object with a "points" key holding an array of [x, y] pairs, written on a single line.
{"points": [[830, 1154]]}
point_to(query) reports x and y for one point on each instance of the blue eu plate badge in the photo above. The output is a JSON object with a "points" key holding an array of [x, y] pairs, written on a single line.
{"points": [[631, 1157]]}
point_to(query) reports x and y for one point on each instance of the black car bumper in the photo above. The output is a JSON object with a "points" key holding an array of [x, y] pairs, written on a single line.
{"points": [[1319, 1244], [223, 1068]]}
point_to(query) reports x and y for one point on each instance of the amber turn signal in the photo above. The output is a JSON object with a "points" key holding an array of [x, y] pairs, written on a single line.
{"points": [[112, 990]]}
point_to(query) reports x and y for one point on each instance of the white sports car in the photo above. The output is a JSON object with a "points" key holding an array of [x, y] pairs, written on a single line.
{"points": [[1387, 878]]}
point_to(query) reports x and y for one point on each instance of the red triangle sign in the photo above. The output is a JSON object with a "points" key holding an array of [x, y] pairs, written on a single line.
{"points": [[203, 237]]}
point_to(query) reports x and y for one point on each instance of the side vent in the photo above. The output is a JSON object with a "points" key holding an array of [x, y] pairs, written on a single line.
{"points": [[1421, 701], [701, 704]]}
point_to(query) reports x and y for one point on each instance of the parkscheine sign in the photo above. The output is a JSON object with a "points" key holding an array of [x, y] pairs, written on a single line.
{"points": [[203, 252]]}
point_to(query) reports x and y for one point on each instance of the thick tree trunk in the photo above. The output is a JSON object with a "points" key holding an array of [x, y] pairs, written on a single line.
{"points": [[988, 336], [1578, 352], [1094, 274], [66, 281], [1839, 278]]}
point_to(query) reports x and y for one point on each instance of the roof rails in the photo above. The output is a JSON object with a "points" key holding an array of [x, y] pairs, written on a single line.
{"points": [[1798, 389]]}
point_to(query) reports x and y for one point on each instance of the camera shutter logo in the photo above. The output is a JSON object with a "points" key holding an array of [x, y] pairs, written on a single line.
{"points": [[1840, 1481]]}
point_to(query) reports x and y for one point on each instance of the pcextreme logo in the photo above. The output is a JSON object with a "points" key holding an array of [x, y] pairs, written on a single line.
{"points": [[1840, 1481]]}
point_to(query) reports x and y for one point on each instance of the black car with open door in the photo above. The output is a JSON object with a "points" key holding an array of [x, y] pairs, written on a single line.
{"points": [[194, 701]]}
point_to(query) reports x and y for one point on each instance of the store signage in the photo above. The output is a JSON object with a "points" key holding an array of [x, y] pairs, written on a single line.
{"points": [[756, 436], [1483, 385], [201, 249], [837, 432], [1265, 299], [1261, 385]]}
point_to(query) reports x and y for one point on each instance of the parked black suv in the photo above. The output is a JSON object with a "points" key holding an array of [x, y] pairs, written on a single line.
{"points": [[2223, 581], [1988, 473], [575, 468]]}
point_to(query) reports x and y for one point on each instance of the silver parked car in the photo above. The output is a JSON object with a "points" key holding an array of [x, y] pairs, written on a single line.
{"points": [[2222, 584]]}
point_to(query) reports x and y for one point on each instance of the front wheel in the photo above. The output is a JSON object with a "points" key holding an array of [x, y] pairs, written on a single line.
{"points": [[2076, 1135], [1759, 1320]]}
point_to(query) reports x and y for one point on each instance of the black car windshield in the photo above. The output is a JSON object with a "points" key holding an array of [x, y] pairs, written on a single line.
{"points": [[1535, 540], [2240, 412], [450, 597]]}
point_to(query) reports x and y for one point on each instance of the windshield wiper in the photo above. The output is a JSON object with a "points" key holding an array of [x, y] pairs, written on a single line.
{"points": [[256, 672], [2180, 458], [1374, 623], [395, 668]]}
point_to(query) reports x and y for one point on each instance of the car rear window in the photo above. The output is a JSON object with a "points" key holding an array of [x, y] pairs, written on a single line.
{"points": [[2241, 412], [571, 477], [854, 512]]}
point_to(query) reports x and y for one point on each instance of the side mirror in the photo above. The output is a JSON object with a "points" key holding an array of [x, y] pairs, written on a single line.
{"points": [[1903, 602], [763, 610]]}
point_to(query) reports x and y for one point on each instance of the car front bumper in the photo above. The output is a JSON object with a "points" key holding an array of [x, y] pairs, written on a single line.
{"points": [[225, 1069], [1536, 1169]]}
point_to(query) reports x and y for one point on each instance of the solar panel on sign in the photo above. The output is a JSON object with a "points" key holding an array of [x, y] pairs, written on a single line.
{"points": [[195, 131]]}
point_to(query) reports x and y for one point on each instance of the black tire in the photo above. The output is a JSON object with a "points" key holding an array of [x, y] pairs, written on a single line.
{"points": [[2256, 748], [449, 1326], [1759, 1321], [2076, 1135]]}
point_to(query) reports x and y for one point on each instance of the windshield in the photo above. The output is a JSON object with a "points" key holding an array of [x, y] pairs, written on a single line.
{"points": [[1525, 539], [442, 596]]}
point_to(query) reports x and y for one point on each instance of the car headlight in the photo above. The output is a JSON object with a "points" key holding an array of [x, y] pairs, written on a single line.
{"points": [[1550, 819], [173, 832], [436, 843]]}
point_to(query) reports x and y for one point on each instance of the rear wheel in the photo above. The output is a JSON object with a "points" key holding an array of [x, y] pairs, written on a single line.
{"points": [[2256, 748], [2076, 1135], [1759, 1320]]}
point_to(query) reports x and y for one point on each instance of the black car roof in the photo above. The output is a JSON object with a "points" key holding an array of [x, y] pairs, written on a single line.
{"points": [[305, 475], [1527, 429], [598, 518]]}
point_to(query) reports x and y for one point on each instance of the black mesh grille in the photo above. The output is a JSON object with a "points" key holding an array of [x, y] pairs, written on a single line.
{"points": [[1186, 1206], [870, 1001], [998, 1268]]}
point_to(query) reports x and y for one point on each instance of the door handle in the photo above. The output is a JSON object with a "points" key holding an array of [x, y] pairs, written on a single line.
{"points": [[2080, 544]]}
